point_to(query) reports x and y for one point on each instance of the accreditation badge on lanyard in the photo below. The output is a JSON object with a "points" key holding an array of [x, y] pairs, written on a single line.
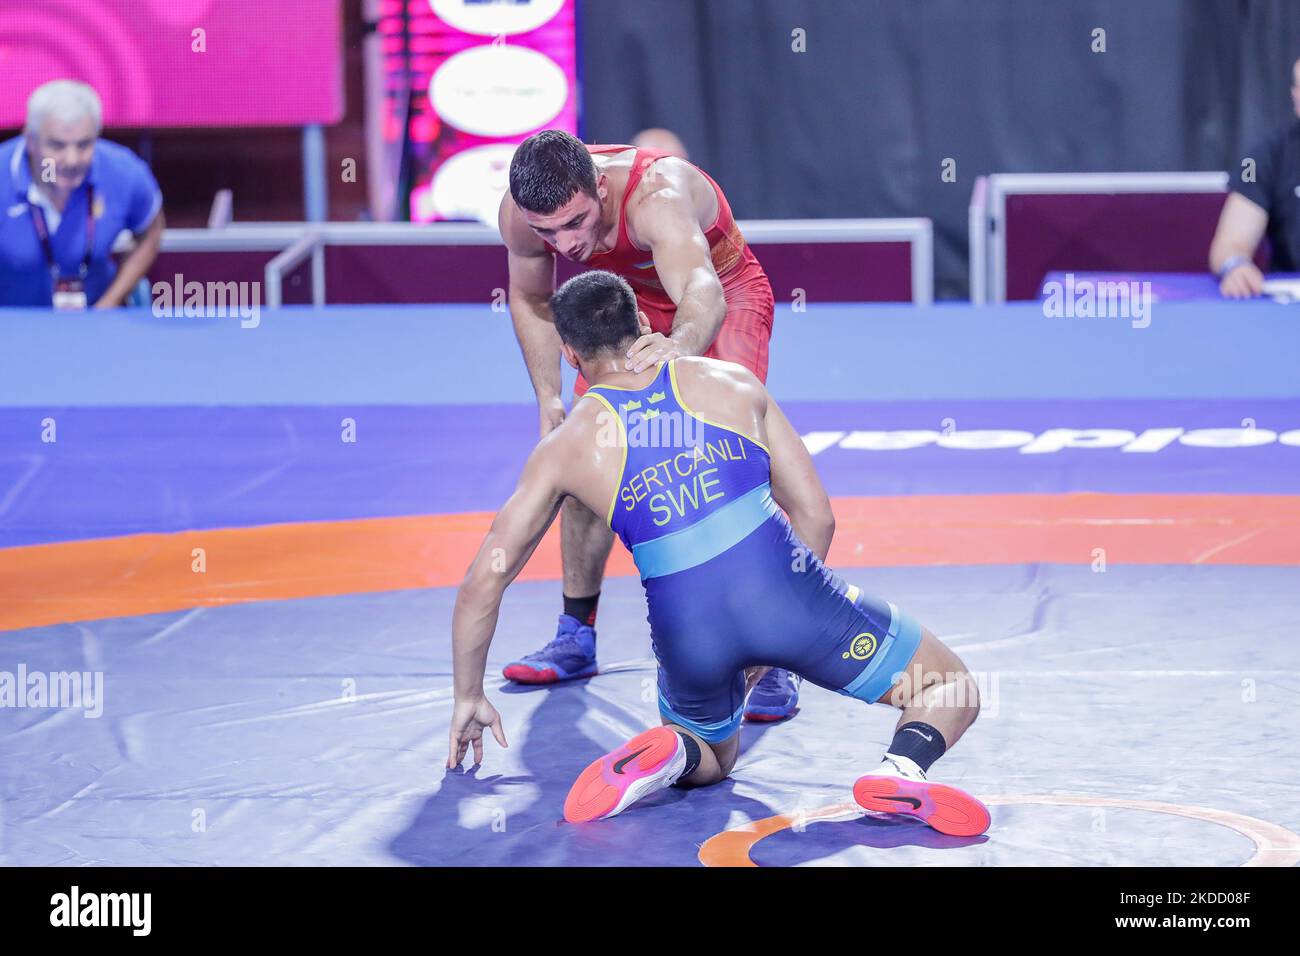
{"points": [[69, 292]]}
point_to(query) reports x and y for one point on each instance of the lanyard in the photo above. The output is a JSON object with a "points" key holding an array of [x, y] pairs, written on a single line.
{"points": [[43, 234]]}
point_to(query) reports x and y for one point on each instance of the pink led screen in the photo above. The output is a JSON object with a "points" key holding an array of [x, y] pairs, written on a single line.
{"points": [[468, 80], [179, 62]]}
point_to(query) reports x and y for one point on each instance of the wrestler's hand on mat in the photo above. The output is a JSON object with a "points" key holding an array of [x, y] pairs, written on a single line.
{"points": [[468, 719], [651, 348], [551, 413]]}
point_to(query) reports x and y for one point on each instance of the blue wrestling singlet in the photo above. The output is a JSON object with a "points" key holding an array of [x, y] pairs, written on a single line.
{"points": [[728, 583]]}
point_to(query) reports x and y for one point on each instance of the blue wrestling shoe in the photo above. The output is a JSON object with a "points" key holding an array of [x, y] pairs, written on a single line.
{"points": [[571, 655], [774, 697]]}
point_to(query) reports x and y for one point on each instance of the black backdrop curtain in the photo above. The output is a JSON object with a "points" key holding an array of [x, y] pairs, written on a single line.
{"points": [[861, 123]]}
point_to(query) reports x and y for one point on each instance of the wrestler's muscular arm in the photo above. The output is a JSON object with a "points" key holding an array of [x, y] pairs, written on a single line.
{"points": [[735, 397], [532, 281], [795, 484], [664, 215], [516, 531]]}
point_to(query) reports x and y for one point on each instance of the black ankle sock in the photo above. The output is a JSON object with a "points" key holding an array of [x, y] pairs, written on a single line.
{"points": [[692, 755], [583, 608], [918, 742]]}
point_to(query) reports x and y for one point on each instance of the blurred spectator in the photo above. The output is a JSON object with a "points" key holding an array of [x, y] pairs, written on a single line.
{"points": [[662, 139], [67, 195], [1269, 204]]}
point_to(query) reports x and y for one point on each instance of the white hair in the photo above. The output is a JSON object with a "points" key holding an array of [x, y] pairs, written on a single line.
{"points": [[66, 100]]}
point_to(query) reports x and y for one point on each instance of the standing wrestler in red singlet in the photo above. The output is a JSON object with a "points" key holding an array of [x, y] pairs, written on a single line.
{"points": [[665, 226]]}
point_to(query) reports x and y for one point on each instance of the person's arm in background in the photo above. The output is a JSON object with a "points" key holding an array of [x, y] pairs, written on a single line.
{"points": [[135, 265], [1243, 222], [532, 282], [1241, 227], [144, 217], [516, 531], [796, 486]]}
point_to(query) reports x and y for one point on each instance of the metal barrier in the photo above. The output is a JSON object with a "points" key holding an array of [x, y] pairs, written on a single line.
{"points": [[977, 227], [294, 243], [918, 233], [989, 203], [308, 245]]}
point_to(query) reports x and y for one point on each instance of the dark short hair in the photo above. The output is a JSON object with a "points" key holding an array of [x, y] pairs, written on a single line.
{"points": [[595, 311], [548, 169]]}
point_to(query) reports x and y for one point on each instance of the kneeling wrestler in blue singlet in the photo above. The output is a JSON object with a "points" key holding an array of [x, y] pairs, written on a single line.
{"points": [[711, 489]]}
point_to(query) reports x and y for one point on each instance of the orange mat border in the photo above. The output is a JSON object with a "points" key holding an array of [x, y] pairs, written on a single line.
{"points": [[151, 573]]}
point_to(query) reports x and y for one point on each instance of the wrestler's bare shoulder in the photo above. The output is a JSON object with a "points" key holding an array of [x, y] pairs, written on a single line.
{"points": [[713, 380]]}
